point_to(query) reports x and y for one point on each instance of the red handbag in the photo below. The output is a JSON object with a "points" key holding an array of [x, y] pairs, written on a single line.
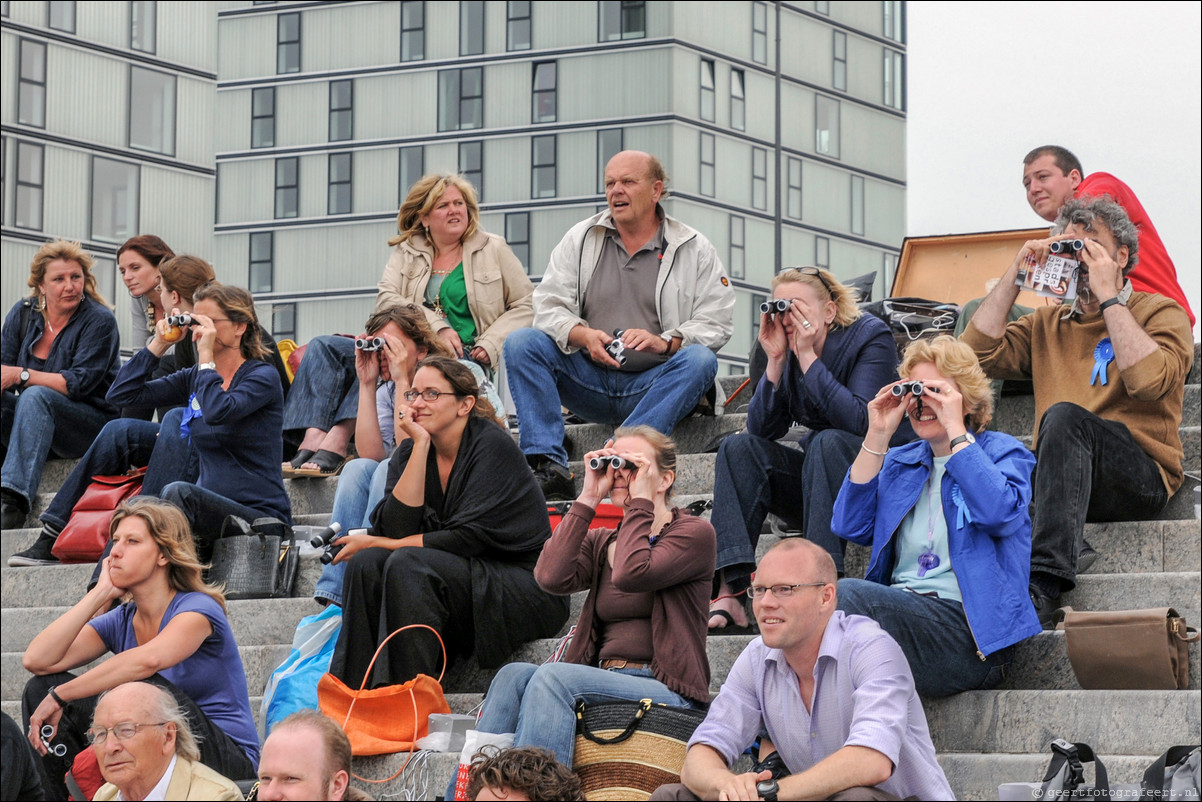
{"points": [[84, 537]]}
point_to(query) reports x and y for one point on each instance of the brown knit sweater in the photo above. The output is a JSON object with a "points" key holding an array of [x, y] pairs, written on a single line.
{"points": [[1056, 354]]}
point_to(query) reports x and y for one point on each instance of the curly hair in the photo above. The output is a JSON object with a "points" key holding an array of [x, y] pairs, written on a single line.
{"points": [[957, 362], [664, 447], [827, 286], [532, 772], [68, 252], [1088, 212], [425, 193]]}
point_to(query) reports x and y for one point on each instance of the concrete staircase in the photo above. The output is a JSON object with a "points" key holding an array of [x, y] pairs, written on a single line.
{"points": [[983, 738]]}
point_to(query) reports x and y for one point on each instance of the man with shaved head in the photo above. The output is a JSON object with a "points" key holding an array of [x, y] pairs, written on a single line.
{"points": [[628, 317], [832, 691]]}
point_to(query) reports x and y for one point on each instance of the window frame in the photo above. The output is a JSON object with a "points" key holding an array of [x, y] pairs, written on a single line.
{"points": [[822, 252], [289, 190], [602, 158], [539, 169], [759, 32], [707, 176], [471, 41], [893, 20], [30, 86], [839, 60], [474, 177], [738, 247], [456, 74], [759, 178], [793, 195], [738, 99], [857, 205], [60, 5], [28, 187], [136, 40], [625, 28], [401, 171], [285, 47], [268, 120], [133, 211], [539, 96], [334, 187], [833, 147], [514, 22], [893, 79], [519, 246], [707, 103], [339, 114], [168, 133], [278, 311], [257, 265], [412, 34]]}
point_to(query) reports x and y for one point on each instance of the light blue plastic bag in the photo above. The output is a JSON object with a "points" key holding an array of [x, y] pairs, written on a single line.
{"points": [[293, 685]]}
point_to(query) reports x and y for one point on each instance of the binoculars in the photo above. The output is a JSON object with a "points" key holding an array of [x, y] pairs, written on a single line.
{"points": [[325, 539], [776, 306], [1067, 246], [617, 348], [181, 321], [612, 461], [369, 343], [910, 388], [58, 750]]}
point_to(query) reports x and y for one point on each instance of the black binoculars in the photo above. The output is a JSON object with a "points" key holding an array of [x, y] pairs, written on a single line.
{"points": [[776, 306], [1067, 245]]}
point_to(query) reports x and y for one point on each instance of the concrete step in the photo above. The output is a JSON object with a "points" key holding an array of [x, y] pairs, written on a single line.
{"points": [[1180, 590], [1041, 663], [976, 776]]}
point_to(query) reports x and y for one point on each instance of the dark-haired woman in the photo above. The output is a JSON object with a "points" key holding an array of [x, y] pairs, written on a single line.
{"points": [[138, 261], [454, 545]]}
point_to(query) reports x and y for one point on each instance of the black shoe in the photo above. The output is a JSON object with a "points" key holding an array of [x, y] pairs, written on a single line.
{"points": [[37, 554], [1086, 558], [12, 511], [555, 481], [1045, 608]]}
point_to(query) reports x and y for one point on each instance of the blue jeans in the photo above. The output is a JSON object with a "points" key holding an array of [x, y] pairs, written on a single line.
{"points": [[37, 422], [326, 389], [754, 476], [360, 489], [538, 703], [933, 633], [123, 443], [542, 378]]}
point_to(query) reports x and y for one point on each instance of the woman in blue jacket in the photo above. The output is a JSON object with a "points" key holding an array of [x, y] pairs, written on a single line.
{"points": [[947, 519]]}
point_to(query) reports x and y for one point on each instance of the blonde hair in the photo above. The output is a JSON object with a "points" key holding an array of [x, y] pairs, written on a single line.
{"points": [[827, 286], [664, 447], [957, 362], [420, 201], [170, 530], [68, 252]]}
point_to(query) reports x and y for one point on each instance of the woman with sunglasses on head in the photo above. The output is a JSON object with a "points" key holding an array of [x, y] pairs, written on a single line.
{"points": [[172, 630], [452, 545], [947, 519], [826, 361]]}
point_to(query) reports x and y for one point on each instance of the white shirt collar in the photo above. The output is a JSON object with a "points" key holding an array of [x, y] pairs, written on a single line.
{"points": [[159, 792]]}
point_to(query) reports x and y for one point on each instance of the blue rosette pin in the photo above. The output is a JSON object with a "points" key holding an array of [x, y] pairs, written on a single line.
{"points": [[1103, 355]]}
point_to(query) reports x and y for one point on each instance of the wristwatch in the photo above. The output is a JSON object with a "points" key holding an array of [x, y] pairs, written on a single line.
{"points": [[207, 366], [964, 438], [1109, 302], [667, 338], [24, 376], [768, 789]]}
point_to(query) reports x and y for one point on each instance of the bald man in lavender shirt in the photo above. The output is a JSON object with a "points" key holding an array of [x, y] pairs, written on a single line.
{"points": [[834, 693]]}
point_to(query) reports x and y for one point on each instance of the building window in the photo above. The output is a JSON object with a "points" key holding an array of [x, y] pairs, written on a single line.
{"points": [[609, 144], [756, 314], [151, 111], [706, 179], [413, 30], [30, 181], [621, 19], [545, 82], [822, 252], [738, 237], [471, 165], [142, 25], [793, 182], [461, 99], [857, 204], [894, 23], [105, 271], [4, 8], [283, 321], [839, 68], [738, 101], [759, 33], [517, 25], [262, 258], [471, 27], [822, 7], [542, 166], [413, 166], [338, 200], [894, 80], [114, 200], [826, 134], [31, 97], [759, 178], [707, 89], [288, 43], [342, 114], [287, 187], [262, 117], [517, 234], [62, 15]]}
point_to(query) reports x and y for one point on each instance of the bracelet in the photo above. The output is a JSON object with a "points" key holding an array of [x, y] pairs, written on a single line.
{"points": [[53, 694], [874, 453]]}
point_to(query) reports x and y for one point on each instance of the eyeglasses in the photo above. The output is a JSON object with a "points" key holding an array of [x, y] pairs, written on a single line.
{"points": [[780, 591], [122, 731], [813, 271], [427, 395]]}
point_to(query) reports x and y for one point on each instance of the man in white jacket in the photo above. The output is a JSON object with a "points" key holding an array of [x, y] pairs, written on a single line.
{"points": [[627, 321]]}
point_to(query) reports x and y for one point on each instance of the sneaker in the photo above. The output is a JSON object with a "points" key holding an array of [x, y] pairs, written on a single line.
{"points": [[37, 554], [1045, 608], [555, 481], [1086, 558]]}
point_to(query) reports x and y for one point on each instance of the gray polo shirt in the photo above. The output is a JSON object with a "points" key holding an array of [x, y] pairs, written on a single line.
{"points": [[621, 293]]}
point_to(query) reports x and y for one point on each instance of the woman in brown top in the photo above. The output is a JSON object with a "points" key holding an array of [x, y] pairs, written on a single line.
{"points": [[641, 634]]}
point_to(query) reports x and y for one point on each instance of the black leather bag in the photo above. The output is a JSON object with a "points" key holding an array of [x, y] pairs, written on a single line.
{"points": [[257, 560]]}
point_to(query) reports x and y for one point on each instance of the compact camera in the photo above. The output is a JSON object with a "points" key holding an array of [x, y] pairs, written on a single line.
{"points": [[617, 348], [1067, 246], [776, 306], [612, 461], [369, 343]]}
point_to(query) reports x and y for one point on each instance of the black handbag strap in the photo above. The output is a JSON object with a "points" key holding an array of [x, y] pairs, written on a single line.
{"points": [[581, 729], [1075, 755], [1153, 784]]}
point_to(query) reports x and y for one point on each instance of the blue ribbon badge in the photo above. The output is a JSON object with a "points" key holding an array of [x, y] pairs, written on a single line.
{"points": [[1103, 354], [192, 410], [962, 514]]}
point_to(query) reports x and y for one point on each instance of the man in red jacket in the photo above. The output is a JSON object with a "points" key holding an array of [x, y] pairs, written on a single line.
{"points": [[1052, 175]]}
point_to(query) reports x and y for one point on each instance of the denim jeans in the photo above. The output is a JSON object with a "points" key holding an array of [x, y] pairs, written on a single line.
{"points": [[538, 703], [542, 378], [754, 476], [326, 389], [360, 489], [206, 511], [933, 633], [1086, 469], [123, 443], [37, 422]]}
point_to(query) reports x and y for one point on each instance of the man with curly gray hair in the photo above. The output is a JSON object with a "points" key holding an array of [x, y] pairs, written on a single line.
{"points": [[1109, 375]]}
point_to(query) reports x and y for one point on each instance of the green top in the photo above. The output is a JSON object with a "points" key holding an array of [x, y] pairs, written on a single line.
{"points": [[450, 301]]}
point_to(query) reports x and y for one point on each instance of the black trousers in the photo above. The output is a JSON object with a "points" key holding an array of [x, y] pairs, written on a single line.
{"points": [[218, 751], [385, 590]]}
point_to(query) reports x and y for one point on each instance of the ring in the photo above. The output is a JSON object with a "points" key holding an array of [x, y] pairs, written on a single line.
{"points": [[805, 323]]}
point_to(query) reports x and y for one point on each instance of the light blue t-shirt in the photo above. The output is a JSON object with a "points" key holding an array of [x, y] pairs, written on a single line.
{"points": [[924, 529]]}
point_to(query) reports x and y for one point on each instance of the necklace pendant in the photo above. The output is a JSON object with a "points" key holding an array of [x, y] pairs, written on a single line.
{"points": [[926, 561]]}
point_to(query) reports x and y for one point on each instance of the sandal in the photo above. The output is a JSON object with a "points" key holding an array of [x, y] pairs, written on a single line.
{"points": [[328, 464], [730, 627], [302, 456]]}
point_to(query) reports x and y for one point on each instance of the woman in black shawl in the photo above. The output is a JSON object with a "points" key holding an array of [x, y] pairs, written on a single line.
{"points": [[452, 545]]}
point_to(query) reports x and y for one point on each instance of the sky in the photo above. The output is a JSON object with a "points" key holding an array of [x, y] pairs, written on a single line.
{"points": [[1118, 84]]}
